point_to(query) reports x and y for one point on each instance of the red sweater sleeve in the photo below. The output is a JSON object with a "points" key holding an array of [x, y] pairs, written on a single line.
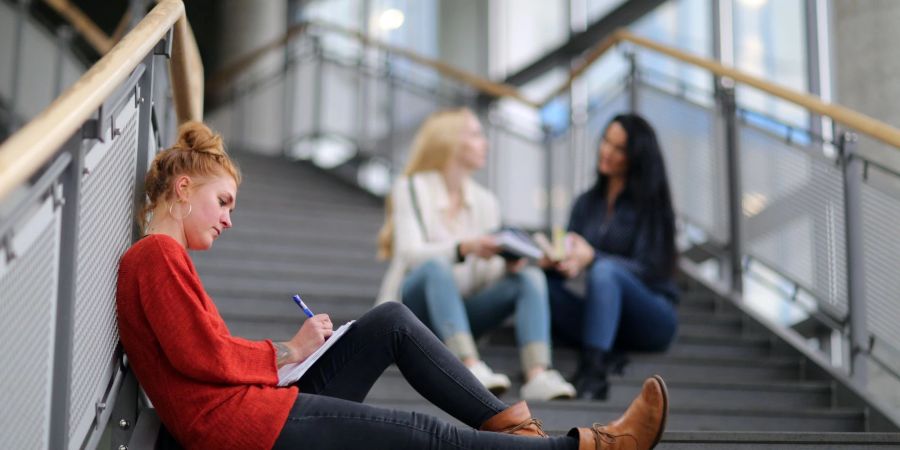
{"points": [[190, 331]]}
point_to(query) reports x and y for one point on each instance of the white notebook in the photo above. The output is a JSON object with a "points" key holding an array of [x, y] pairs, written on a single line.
{"points": [[290, 373]]}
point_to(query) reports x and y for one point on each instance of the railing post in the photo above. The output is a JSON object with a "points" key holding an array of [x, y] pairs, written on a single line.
{"points": [[288, 100], [549, 167], [390, 113], [632, 81], [728, 111], [145, 110], [65, 306], [856, 283], [318, 87]]}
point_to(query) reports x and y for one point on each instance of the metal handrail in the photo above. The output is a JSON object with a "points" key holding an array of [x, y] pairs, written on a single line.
{"points": [[29, 149]]}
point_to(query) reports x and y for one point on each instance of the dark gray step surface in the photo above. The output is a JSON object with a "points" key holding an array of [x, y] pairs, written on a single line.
{"points": [[289, 268], [560, 415], [268, 270], [720, 440], [287, 325], [706, 394]]}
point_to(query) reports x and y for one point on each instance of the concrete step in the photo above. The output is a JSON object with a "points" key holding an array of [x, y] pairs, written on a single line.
{"points": [[676, 368], [298, 236], [212, 261], [723, 440], [560, 415], [262, 271], [313, 290], [349, 258], [707, 394]]}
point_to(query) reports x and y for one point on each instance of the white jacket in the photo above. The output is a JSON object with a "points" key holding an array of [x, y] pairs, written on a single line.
{"points": [[480, 215]]}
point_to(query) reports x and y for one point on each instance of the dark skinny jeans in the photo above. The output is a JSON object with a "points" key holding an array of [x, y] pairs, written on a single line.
{"points": [[329, 413]]}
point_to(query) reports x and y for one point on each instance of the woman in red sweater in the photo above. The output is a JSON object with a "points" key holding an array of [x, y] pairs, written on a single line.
{"points": [[213, 390]]}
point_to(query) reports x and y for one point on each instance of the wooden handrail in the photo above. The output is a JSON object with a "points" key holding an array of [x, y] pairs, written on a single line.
{"points": [[26, 151], [186, 73], [845, 116], [222, 77]]}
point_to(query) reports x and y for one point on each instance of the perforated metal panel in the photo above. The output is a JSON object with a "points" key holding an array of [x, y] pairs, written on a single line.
{"points": [[27, 318], [793, 214], [105, 223], [881, 228], [695, 164]]}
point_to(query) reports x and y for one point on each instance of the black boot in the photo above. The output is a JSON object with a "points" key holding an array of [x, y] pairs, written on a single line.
{"points": [[590, 381]]}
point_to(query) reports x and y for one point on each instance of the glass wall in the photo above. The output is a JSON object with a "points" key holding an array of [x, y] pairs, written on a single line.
{"points": [[524, 30], [685, 25], [770, 42]]}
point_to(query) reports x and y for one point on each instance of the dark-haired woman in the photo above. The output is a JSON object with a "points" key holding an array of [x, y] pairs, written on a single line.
{"points": [[216, 391], [622, 233]]}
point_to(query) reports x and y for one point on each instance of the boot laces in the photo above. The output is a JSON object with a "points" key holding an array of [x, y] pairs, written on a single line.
{"points": [[601, 436], [532, 421]]}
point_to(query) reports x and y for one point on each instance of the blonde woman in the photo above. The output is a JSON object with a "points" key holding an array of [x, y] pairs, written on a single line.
{"points": [[445, 264]]}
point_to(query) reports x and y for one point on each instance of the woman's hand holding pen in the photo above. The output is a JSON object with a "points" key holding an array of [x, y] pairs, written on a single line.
{"points": [[312, 335]]}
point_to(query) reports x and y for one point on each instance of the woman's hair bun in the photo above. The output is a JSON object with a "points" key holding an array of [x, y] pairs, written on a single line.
{"points": [[197, 137]]}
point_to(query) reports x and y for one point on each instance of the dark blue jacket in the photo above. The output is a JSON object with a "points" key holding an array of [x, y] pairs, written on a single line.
{"points": [[625, 238]]}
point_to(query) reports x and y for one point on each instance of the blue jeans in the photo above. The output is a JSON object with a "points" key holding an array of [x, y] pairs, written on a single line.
{"points": [[618, 311], [431, 294], [329, 414]]}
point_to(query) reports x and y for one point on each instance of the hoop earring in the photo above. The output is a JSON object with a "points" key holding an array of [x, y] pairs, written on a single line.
{"points": [[190, 209]]}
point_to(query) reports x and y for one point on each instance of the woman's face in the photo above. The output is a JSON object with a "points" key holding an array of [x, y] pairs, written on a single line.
{"points": [[612, 160], [211, 205], [472, 154]]}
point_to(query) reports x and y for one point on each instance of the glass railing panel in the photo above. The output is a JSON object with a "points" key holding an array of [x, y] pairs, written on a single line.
{"points": [[793, 213]]}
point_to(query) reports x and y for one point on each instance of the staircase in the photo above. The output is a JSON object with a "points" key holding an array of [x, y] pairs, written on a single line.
{"points": [[732, 385]]}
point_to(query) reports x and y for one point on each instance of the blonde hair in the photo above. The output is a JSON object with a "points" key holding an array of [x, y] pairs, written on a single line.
{"points": [[436, 143], [198, 151]]}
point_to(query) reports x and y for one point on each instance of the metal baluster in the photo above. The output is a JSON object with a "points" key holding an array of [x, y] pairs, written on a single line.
{"points": [[853, 178], [728, 115]]}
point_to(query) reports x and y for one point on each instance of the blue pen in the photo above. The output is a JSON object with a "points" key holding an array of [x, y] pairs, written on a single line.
{"points": [[302, 306]]}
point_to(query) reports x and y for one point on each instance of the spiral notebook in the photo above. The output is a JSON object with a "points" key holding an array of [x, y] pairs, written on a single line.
{"points": [[290, 373]]}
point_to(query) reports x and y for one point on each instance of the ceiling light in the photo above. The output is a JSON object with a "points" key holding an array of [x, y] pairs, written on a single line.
{"points": [[390, 19]]}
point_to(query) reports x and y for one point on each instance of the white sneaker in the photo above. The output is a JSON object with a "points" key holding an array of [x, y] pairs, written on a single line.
{"points": [[547, 385], [497, 383]]}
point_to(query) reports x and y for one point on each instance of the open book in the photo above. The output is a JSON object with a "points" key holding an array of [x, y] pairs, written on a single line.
{"points": [[515, 244], [290, 373]]}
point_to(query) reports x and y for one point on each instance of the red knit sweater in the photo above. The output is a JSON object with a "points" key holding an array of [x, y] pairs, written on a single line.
{"points": [[212, 390]]}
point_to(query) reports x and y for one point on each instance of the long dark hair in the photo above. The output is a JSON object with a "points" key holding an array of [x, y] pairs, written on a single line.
{"points": [[646, 186]]}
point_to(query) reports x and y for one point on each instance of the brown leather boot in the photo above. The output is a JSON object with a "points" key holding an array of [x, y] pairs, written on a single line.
{"points": [[640, 428], [515, 420]]}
